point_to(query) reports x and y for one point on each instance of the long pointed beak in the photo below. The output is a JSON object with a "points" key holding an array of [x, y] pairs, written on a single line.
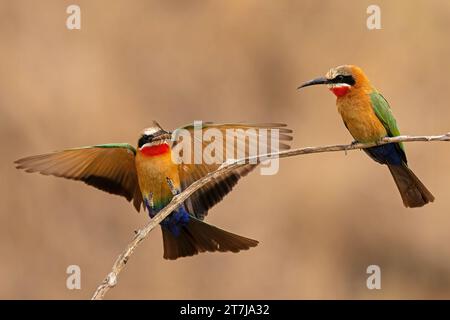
{"points": [[321, 80]]}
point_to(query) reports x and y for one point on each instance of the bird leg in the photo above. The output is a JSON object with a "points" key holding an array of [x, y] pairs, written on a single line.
{"points": [[179, 217], [350, 146], [380, 142], [174, 190], [181, 214], [150, 205]]}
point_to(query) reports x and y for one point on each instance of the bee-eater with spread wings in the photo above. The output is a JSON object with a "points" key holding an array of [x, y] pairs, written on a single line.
{"points": [[149, 176], [368, 117]]}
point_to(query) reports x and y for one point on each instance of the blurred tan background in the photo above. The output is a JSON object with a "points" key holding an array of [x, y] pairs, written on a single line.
{"points": [[321, 221]]}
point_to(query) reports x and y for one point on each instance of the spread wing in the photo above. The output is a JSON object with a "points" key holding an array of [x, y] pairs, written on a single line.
{"points": [[108, 167], [384, 114], [206, 197]]}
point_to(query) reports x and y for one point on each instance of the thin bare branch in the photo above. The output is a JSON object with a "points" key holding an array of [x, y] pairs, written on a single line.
{"points": [[111, 279]]}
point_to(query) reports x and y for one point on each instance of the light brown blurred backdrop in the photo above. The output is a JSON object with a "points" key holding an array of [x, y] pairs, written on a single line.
{"points": [[321, 221]]}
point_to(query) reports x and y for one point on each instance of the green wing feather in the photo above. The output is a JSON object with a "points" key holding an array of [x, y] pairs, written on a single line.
{"points": [[384, 113], [108, 167], [110, 145]]}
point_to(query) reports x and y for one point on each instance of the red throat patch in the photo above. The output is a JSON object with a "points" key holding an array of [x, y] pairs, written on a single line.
{"points": [[340, 91], [155, 150]]}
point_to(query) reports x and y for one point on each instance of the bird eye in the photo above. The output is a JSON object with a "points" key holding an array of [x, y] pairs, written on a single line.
{"points": [[340, 78]]}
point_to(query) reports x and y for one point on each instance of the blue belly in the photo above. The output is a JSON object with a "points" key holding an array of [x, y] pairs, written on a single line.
{"points": [[389, 153], [173, 222], [176, 220]]}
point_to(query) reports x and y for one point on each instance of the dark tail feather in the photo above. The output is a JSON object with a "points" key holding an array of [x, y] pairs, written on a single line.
{"points": [[414, 193], [198, 236]]}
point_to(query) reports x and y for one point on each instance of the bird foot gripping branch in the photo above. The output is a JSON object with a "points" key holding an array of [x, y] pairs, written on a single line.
{"points": [[171, 185], [351, 146]]}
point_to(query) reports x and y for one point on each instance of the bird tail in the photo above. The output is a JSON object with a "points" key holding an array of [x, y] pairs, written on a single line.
{"points": [[198, 236], [413, 191]]}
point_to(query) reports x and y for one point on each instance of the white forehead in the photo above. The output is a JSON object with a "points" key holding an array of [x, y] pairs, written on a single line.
{"points": [[151, 130], [341, 70]]}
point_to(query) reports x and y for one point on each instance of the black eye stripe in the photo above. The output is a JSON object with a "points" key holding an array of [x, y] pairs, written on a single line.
{"points": [[144, 139], [344, 79]]}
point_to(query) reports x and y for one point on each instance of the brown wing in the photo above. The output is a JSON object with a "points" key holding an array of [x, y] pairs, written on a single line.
{"points": [[206, 197], [108, 167]]}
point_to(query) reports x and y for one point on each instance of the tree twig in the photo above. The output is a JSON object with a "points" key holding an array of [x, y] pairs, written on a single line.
{"points": [[111, 279]]}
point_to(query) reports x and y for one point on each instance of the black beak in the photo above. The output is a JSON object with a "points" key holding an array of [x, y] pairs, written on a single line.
{"points": [[160, 135], [321, 80]]}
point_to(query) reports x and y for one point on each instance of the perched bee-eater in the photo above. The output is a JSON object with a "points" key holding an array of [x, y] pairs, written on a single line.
{"points": [[149, 176], [368, 117]]}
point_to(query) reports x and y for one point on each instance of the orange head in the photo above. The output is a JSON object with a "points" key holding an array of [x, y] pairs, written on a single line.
{"points": [[342, 80]]}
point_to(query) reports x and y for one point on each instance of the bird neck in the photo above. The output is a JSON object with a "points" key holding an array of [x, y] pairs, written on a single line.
{"points": [[154, 151], [340, 91]]}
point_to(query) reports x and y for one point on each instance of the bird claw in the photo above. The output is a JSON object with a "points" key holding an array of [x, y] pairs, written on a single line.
{"points": [[354, 142], [379, 142], [148, 201], [174, 190]]}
